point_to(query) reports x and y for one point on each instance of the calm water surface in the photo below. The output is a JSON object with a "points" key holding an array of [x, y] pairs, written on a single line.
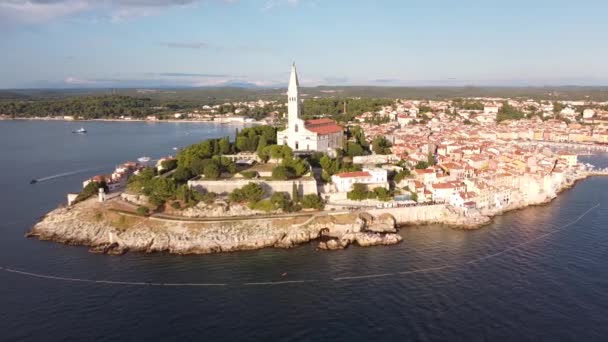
{"points": [[553, 288]]}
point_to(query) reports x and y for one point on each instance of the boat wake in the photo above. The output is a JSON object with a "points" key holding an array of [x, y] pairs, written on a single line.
{"points": [[66, 174], [285, 282]]}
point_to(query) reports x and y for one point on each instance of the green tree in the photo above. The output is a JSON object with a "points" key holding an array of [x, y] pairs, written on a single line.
{"points": [[382, 194], [508, 112], [312, 201], [354, 149], [380, 145], [212, 171], [405, 173], [282, 173], [182, 175], [224, 146], [281, 201], [421, 165], [359, 192], [251, 192], [430, 159], [169, 164]]}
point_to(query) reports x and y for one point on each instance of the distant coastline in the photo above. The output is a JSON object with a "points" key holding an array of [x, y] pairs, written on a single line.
{"points": [[131, 120]]}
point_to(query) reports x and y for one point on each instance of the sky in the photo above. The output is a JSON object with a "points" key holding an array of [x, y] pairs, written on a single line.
{"points": [[196, 43]]}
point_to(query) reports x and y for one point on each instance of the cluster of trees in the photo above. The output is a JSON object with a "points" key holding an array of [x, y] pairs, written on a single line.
{"points": [[87, 107], [290, 168], [401, 175], [430, 161], [203, 159], [332, 166], [358, 147], [274, 152], [162, 189], [255, 138], [360, 193], [334, 107], [253, 194], [467, 104], [91, 189], [380, 145], [508, 112]]}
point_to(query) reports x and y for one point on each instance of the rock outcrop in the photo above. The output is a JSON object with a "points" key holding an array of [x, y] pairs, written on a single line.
{"points": [[115, 233]]}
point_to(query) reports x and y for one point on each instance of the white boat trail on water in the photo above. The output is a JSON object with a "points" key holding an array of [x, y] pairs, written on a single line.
{"points": [[65, 174], [285, 282]]}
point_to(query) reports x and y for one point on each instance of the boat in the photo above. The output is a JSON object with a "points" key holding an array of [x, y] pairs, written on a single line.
{"points": [[143, 159], [33, 181], [175, 149], [81, 130]]}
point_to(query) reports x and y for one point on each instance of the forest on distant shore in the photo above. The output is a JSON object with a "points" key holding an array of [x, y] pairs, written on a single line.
{"points": [[318, 101]]}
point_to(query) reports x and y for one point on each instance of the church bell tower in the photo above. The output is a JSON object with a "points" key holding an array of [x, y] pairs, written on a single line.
{"points": [[293, 103]]}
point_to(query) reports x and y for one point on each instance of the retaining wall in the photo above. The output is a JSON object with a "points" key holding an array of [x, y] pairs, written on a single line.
{"points": [[305, 186]]}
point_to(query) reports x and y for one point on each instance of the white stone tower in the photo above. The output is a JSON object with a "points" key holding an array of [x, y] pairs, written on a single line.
{"points": [[293, 107]]}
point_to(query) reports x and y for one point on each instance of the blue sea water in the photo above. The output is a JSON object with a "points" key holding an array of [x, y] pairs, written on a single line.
{"points": [[551, 287]]}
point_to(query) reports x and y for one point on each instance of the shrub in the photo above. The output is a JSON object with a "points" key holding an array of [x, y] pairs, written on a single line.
{"points": [[282, 173], [382, 194], [264, 205], [249, 174], [143, 211], [91, 189], [312, 201], [358, 193], [405, 173], [176, 205], [281, 201], [208, 197], [251, 192], [169, 164], [182, 175]]}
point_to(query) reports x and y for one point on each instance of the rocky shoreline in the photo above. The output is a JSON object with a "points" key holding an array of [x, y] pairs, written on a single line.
{"points": [[115, 233], [110, 232]]}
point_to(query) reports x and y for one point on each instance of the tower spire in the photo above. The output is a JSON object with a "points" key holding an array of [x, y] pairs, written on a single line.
{"points": [[293, 79]]}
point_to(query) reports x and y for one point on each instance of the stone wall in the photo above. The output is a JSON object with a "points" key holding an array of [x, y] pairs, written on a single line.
{"points": [[305, 186], [417, 214]]}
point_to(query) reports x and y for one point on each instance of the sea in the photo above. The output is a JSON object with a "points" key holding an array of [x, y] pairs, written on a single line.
{"points": [[537, 274]]}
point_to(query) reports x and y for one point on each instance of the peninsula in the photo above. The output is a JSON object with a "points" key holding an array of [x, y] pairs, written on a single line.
{"points": [[338, 179]]}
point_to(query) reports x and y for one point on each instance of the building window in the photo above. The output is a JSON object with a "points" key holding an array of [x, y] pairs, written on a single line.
{"points": [[296, 145], [296, 128]]}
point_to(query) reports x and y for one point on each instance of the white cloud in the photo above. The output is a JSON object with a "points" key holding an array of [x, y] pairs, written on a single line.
{"points": [[39, 11], [79, 81], [271, 4]]}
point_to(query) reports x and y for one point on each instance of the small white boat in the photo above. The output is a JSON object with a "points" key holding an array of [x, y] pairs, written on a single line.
{"points": [[143, 159], [175, 149], [81, 130]]}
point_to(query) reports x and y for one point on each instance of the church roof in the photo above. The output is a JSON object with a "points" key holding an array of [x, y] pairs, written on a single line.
{"points": [[323, 126]]}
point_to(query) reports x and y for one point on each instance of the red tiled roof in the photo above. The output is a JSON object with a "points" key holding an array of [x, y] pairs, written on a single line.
{"points": [[322, 126], [319, 121], [353, 174]]}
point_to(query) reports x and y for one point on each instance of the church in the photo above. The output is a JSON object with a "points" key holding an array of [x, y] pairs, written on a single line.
{"points": [[322, 135]]}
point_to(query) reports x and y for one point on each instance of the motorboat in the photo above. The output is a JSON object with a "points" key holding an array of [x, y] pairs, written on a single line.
{"points": [[143, 159], [81, 130]]}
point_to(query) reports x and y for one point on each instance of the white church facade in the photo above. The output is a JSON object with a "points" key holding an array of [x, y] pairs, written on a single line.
{"points": [[322, 135]]}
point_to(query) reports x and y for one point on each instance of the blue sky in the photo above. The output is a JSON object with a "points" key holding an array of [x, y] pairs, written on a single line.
{"points": [[139, 43]]}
